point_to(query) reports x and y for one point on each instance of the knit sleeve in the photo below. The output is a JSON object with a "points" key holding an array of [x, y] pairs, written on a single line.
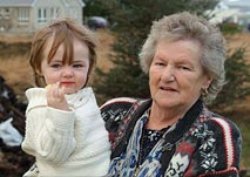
{"points": [[113, 113], [219, 150], [49, 134]]}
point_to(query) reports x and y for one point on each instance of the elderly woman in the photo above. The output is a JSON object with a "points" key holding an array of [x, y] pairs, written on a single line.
{"points": [[173, 133]]}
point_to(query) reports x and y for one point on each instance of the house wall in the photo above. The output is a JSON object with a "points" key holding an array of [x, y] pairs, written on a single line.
{"points": [[56, 9], [11, 21], [48, 9], [73, 9], [40, 14], [5, 19]]}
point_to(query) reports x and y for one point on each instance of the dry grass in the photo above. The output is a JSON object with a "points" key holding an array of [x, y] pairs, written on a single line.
{"points": [[104, 49], [9, 38], [240, 40], [17, 73]]}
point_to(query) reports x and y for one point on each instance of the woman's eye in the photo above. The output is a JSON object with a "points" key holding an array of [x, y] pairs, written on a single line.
{"points": [[185, 68], [159, 63]]}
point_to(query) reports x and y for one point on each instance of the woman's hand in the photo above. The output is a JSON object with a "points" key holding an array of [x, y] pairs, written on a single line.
{"points": [[56, 97]]}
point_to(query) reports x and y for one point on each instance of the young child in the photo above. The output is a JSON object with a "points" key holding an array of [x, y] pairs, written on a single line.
{"points": [[64, 128]]}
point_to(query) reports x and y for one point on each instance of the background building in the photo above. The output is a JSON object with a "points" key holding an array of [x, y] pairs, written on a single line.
{"points": [[236, 11], [26, 16]]}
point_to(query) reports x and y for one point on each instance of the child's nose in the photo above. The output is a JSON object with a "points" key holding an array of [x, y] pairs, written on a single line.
{"points": [[68, 71]]}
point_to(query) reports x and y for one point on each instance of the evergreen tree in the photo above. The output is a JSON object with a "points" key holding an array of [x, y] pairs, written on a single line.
{"points": [[237, 80]]}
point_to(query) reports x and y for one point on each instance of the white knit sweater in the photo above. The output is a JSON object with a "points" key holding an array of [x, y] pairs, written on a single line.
{"points": [[66, 143]]}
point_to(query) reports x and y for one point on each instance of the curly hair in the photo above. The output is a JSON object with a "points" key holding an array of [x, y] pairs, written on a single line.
{"points": [[182, 26]]}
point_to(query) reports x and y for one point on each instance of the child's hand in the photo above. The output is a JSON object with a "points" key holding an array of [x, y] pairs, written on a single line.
{"points": [[56, 97]]}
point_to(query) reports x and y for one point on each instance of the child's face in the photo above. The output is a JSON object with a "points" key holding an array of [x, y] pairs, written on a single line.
{"points": [[70, 76]]}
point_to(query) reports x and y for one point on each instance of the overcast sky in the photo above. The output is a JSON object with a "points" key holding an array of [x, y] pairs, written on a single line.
{"points": [[240, 2]]}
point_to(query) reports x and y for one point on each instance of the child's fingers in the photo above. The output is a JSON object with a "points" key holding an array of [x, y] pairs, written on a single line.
{"points": [[56, 97], [54, 92], [48, 87], [63, 89]]}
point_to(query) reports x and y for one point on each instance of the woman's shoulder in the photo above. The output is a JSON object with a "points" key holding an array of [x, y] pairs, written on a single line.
{"points": [[218, 122], [119, 102], [220, 137], [117, 107], [114, 109]]}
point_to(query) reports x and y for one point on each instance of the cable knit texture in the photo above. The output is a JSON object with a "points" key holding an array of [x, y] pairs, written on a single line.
{"points": [[66, 143]]}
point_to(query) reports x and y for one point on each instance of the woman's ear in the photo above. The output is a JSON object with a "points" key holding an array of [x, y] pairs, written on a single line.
{"points": [[208, 80]]}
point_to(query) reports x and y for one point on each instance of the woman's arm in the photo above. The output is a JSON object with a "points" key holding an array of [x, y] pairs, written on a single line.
{"points": [[219, 150]]}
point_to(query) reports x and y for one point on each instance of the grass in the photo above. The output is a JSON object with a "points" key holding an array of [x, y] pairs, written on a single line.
{"points": [[17, 73]]}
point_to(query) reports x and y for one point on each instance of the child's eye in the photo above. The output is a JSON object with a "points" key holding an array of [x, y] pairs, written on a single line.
{"points": [[78, 65], [55, 65]]}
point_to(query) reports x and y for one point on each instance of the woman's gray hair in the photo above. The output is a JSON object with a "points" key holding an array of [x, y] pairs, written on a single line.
{"points": [[182, 26]]}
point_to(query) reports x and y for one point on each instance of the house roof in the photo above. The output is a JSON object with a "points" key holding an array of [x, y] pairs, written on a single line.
{"points": [[67, 2], [11, 3]]}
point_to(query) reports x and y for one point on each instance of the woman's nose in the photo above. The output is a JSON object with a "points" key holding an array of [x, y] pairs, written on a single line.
{"points": [[168, 74]]}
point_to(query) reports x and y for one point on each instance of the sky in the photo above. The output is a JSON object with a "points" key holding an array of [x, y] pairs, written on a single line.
{"points": [[240, 2]]}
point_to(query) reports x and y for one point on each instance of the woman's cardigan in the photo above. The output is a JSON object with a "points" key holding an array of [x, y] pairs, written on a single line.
{"points": [[209, 144]]}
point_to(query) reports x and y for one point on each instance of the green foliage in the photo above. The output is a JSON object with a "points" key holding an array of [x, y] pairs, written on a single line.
{"points": [[98, 8], [238, 80], [230, 28]]}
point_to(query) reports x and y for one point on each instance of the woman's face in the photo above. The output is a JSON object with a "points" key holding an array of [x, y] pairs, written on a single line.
{"points": [[176, 76], [70, 76]]}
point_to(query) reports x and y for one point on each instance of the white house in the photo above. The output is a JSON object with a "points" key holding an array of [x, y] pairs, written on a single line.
{"points": [[26, 16], [237, 11]]}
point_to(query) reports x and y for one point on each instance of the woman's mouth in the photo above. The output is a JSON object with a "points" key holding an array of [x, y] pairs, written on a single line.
{"points": [[168, 89]]}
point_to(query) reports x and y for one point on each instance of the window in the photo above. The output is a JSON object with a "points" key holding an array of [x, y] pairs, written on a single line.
{"points": [[7, 10], [54, 13], [23, 15], [42, 15]]}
